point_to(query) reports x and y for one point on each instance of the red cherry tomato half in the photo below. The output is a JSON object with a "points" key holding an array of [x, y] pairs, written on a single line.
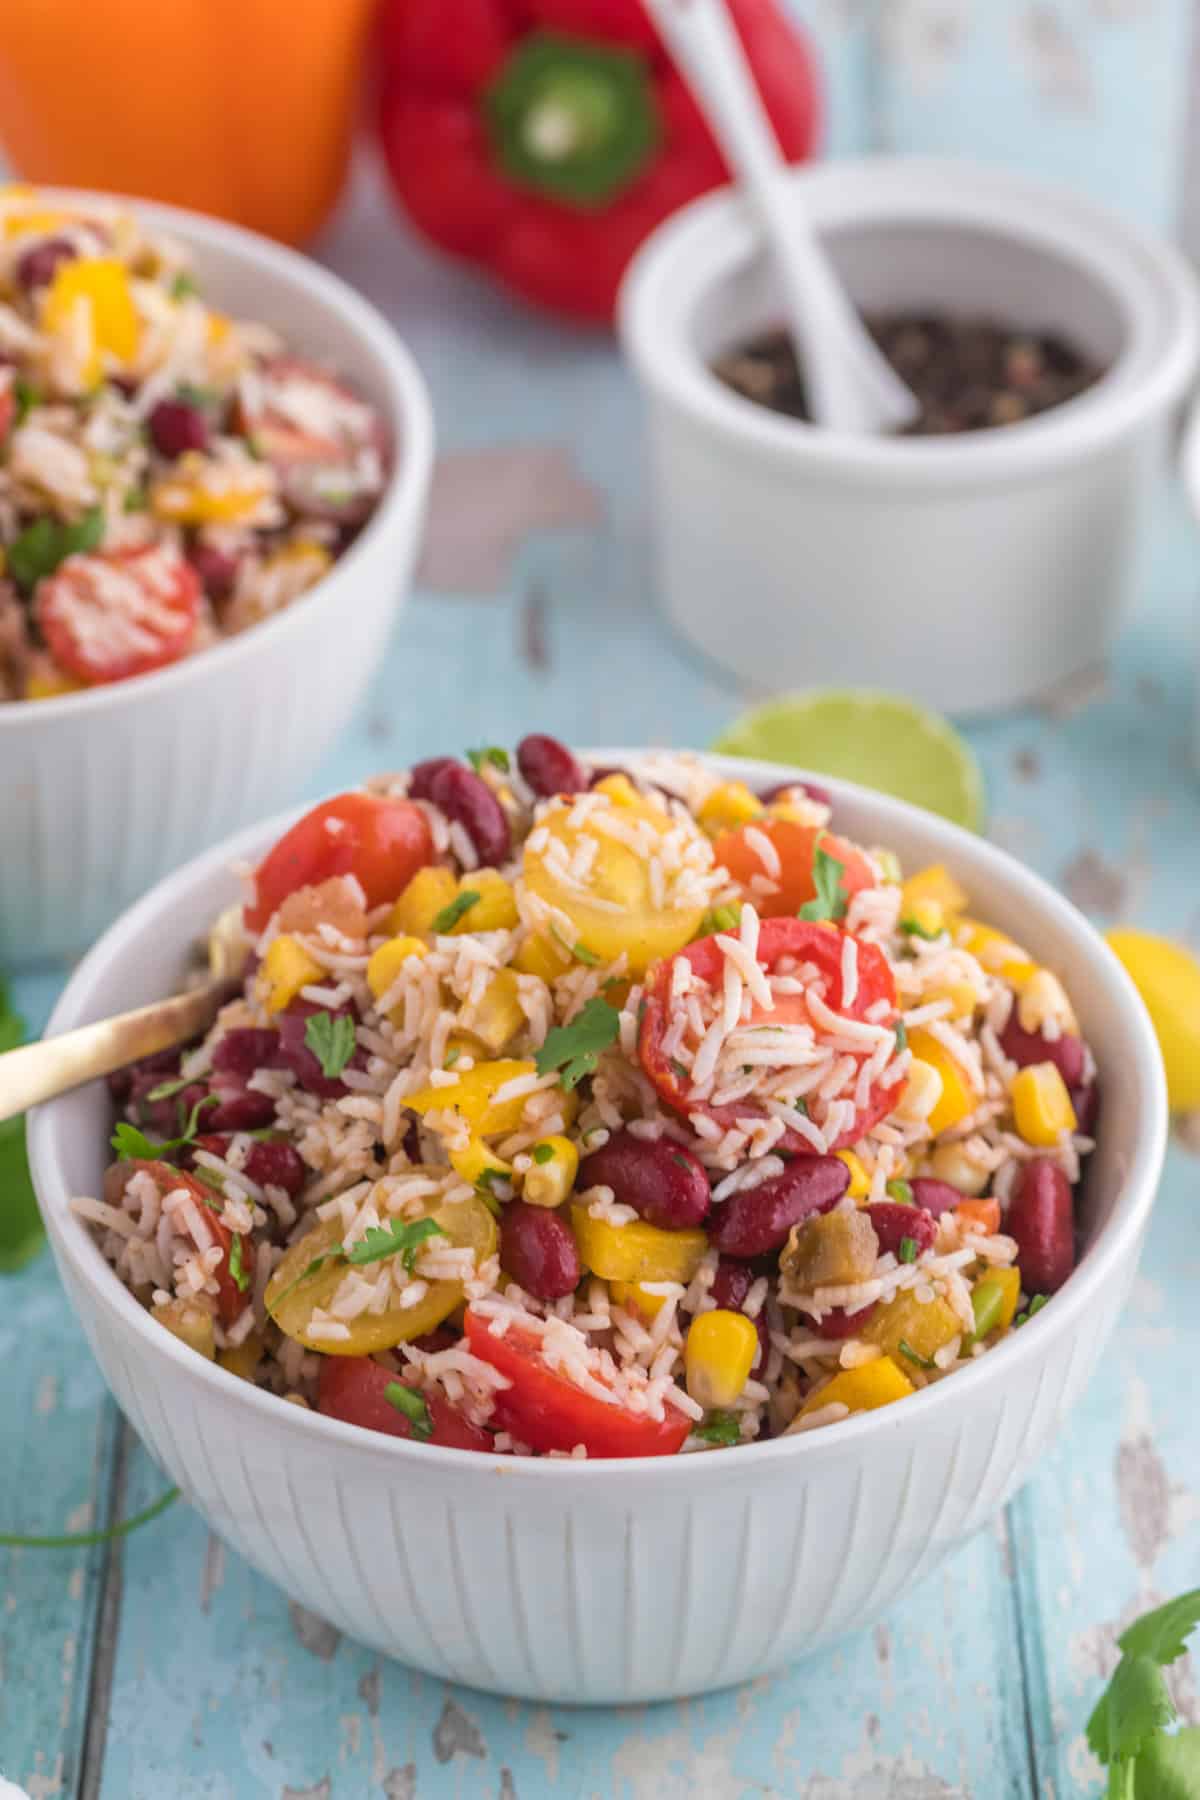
{"points": [[354, 1388], [820, 944], [545, 1410], [795, 845], [381, 842], [232, 1294], [117, 613]]}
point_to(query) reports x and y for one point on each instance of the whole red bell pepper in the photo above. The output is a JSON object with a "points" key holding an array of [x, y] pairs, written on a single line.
{"points": [[545, 139]]}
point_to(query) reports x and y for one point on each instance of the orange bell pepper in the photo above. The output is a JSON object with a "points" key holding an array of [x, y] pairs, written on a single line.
{"points": [[246, 112]]}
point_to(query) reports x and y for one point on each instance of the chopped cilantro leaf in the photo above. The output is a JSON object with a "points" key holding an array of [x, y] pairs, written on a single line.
{"points": [[914, 1356], [136, 500], [41, 547], [183, 286], [582, 954], [901, 1037], [719, 1428], [679, 1070], [491, 754], [830, 899], [452, 1055], [681, 1162], [27, 395], [451, 914], [406, 1400], [128, 1141], [908, 1250], [237, 1267], [331, 1039], [399, 1239], [1035, 1306], [914, 928], [543, 1153], [574, 1049], [166, 1090]]}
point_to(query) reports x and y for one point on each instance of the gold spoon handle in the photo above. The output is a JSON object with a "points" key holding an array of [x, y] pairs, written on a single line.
{"points": [[38, 1072]]}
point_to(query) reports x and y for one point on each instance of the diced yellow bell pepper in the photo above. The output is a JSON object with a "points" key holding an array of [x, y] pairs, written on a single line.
{"points": [[934, 883], [632, 1297], [498, 1017], [1041, 1105], [551, 1174], [729, 805], [925, 1326], [619, 789], [543, 956], [994, 1301], [286, 968], [718, 1354], [928, 915], [995, 952], [470, 1096], [37, 221], [871, 1385], [101, 285], [958, 1096], [961, 995], [860, 1181], [195, 494], [428, 893], [475, 1162], [243, 1359], [386, 963], [495, 909], [1167, 976], [637, 1251]]}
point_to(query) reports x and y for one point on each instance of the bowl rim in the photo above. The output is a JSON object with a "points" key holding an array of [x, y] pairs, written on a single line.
{"points": [[713, 237], [1053, 1325], [405, 400]]}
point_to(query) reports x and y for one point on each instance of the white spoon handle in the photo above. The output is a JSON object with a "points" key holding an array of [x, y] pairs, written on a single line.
{"points": [[850, 384]]}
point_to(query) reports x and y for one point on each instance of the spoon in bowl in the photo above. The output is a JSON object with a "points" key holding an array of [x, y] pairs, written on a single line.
{"points": [[41, 1071], [850, 384]]}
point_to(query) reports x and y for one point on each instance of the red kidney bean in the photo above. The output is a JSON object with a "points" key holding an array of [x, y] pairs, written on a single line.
{"points": [[935, 1197], [1025, 1047], [548, 766], [38, 266], [894, 1222], [664, 1183], [272, 1163], [538, 1250], [1040, 1218], [467, 799], [842, 1324], [1086, 1102], [239, 1109], [176, 426], [421, 775], [216, 568], [759, 1218], [812, 789], [245, 1050], [731, 1284]]}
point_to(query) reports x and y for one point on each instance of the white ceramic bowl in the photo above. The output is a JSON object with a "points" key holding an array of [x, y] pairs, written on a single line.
{"points": [[101, 792], [618, 1581], [970, 571]]}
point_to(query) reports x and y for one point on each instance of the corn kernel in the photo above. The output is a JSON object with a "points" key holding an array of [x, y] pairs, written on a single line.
{"points": [[871, 1385], [934, 883], [386, 963], [718, 1355], [286, 968], [620, 790], [497, 1016], [958, 1097], [474, 1162], [961, 995], [922, 1092], [1041, 1104], [952, 1163], [729, 805], [471, 1097], [637, 1251], [428, 893], [552, 1171], [496, 907], [995, 952], [99, 286], [1043, 1001], [633, 1298], [542, 956], [860, 1181]]}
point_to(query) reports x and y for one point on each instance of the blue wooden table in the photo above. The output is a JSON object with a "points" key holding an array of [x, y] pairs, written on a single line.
{"points": [[162, 1668]]}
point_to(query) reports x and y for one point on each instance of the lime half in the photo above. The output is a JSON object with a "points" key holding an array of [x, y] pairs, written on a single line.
{"points": [[882, 741]]}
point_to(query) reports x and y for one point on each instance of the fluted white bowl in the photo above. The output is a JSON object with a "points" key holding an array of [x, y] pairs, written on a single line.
{"points": [[101, 792], [616, 1581]]}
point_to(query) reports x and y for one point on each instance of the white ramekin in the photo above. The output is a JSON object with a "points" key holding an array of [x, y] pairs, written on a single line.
{"points": [[620, 1581], [100, 792], [971, 572]]}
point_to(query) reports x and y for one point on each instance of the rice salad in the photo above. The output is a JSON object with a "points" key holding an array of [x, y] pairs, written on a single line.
{"points": [[168, 475], [594, 1112]]}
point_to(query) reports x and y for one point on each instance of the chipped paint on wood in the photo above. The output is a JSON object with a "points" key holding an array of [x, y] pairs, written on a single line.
{"points": [[316, 1634], [455, 1733]]}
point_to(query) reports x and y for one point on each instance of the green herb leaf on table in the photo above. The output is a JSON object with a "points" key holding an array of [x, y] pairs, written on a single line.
{"points": [[720, 1428], [406, 1400], [493, 754], [331, 1039], [574, 1049], [79, 1540], [21, 1232], [452, 913], [1128, 1728], [830, 900], [41, 547], [1169, 1767]]}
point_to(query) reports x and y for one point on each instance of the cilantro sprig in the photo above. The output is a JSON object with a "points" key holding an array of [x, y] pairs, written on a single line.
{"points": [[491, 753], [401, 1238], [128, 1141], [38, 550], [574, 1049], [830, 901], [1129, 1727], [719, 1428], [20, 1223], [331, 1038]]}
